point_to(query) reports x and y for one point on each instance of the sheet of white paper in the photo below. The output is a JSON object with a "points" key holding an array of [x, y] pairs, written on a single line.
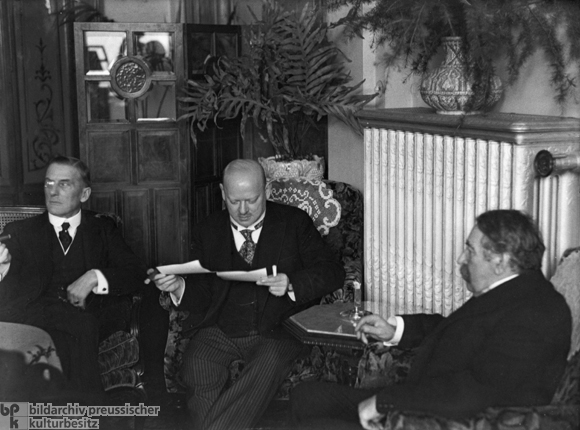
{"points": [[189, 268], [195, 267], [252, 276]]}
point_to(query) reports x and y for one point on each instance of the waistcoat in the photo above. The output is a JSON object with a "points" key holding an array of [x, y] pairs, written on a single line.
{"points": [[239, 314], [66, 268]]}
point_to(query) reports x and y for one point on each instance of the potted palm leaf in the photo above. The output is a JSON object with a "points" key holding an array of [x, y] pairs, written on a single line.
{"points": [[477, 33], [288, 79]]}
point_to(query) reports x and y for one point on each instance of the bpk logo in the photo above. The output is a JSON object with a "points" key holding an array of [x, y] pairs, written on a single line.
{"points": [[13, 416]]}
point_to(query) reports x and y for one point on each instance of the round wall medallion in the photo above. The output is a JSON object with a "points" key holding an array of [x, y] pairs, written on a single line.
{"points": [[130, 77]]}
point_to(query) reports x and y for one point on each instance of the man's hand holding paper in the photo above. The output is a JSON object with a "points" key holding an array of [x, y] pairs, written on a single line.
{"points": [[172, 284]]}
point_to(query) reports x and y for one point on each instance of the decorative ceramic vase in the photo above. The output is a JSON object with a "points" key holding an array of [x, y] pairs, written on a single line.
{"points": [[309, 169], [448, 88]]}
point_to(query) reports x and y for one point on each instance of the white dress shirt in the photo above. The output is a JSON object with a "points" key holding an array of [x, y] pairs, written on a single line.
{"points": [[74, 221]]}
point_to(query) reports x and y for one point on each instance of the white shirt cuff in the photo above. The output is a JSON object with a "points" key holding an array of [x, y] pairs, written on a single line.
{"points": [[5, 272], [177, 295], [102, 283], [399, 324]]}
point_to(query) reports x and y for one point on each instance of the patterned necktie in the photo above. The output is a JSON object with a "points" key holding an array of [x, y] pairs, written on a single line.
{"points": [[248, 248], [64, 236]]}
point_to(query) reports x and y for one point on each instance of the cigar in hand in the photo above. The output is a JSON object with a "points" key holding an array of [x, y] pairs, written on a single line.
{"points": [[4, 237], [152, 274]]}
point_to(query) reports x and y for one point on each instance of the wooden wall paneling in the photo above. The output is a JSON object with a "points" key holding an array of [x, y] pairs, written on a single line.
{"points": [[40, 89], [207, 200], [9, 125], [104, 201], [109, 156], [158, 156], [171, 240], [136, 222], [208, 12], [201, 203]]}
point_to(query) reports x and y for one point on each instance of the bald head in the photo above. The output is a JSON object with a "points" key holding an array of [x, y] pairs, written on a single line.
{"points": [[244, 191], [245, 169]]}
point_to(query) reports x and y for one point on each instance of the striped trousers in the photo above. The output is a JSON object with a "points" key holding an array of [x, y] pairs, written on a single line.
{"points": [[206, 371]]}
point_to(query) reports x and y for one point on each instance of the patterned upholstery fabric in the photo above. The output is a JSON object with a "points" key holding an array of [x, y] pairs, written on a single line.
{"points": [[118, 351], [345, 238], [35, 344], [380, 366], [313, 197]]}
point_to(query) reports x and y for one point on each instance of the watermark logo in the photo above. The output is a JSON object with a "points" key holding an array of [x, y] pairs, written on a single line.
{"points": [[13, 416], [28, 416]]}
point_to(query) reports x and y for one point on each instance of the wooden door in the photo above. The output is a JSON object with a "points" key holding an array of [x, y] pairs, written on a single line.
{"points": [[128, 80]]}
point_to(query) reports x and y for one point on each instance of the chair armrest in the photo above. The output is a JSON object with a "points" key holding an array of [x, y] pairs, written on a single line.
{"points": [[381, 366], [135, 313], [353, 270]]}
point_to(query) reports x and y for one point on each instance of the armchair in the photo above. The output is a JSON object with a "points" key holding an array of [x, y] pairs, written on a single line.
{"points": [[119, 359], [390, 365], [337, 210]]}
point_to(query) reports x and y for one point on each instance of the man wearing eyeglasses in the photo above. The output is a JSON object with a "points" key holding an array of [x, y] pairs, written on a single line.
{"points": [[68, 271]]}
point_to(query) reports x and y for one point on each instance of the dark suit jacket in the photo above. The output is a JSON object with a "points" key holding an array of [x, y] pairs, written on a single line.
{"points": [[31, 266], [507, 347], [288, 240]]}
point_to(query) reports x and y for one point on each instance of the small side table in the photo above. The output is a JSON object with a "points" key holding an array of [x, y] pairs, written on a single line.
{"points": [[323, 325]]}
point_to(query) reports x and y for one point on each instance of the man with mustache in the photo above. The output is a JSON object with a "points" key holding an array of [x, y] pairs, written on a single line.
{"points": [[506, 346], [231, 320]]}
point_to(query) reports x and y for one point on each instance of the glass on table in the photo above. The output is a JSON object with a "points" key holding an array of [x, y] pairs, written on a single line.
{"points": [[357, 312]]}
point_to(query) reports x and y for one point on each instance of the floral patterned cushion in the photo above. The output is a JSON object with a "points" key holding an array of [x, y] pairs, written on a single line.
{"points": [[313, 197], [346, 239], [381, 365], [35, 344], [321, 364]]}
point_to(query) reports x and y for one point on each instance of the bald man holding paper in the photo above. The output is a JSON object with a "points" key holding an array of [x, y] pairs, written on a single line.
{"points": [[231, 320]]}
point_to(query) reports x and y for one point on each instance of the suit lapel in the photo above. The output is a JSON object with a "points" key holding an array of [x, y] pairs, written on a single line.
{"points": [[220, 258], [88, 233], [271, 239], [268, 249], [43, 234]]}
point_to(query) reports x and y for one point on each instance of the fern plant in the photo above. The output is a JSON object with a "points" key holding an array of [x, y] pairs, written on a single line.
{"points": [[290, 77], [515, 29]]}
